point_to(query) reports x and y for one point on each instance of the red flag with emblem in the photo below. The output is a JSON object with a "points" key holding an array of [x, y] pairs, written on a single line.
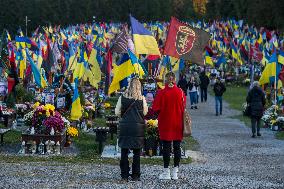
{"points": [[186, 42]]}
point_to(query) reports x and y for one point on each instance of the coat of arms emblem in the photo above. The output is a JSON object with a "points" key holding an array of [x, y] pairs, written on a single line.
{"points": [[185, 39]]}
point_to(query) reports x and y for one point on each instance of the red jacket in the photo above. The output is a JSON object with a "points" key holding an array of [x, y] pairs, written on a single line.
{"points": [[170, 105]]}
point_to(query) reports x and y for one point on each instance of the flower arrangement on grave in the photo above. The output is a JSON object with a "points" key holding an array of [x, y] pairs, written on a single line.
{"points": [[54, 122], [89, 110], [270, 115], [280, 122], [45, 120], [151, 130]]}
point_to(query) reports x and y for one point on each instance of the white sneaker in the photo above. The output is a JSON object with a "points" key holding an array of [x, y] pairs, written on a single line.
{"points": [[175, 173], [166, 175]]}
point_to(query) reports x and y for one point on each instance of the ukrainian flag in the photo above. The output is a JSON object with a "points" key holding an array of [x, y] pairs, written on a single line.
{"points": [[270, 71], [208, 59], [144, 41], [281, 57], [138, 66], [39, 80], [121, 72], [80, 66], [234, 52], [76, 109], [163, 70]]}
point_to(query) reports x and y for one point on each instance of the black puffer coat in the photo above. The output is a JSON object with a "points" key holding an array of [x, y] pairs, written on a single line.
{"points": [[132, 124], [183, 85], [256, 100], [204, 80]]}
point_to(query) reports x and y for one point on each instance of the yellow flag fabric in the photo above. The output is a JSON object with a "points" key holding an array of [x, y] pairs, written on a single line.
{"points": [[76, 109], [95, 72], [120, 72], [269, 71]]}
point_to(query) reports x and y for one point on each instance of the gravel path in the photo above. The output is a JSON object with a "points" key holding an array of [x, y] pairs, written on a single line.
{"points": [[228, 158]]}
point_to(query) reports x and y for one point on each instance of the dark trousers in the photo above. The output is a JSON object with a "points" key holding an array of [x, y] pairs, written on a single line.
{"points": [[218, 102], [167, 148], [203, 92], [124, 163], [255, 124]]}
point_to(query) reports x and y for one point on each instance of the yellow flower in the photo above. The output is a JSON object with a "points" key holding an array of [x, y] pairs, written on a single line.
{"points": [[72, 131], [155, 122], [47, 113], [107, 105], [152, 123], [37, 104], [273, 121], [49, 107]]}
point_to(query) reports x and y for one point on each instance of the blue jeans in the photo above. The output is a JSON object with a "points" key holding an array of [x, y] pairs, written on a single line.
{"points": [[218, 100], [193, 98]]}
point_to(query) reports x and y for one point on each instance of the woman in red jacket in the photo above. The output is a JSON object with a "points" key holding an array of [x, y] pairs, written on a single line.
{"points": [[170, 103]]}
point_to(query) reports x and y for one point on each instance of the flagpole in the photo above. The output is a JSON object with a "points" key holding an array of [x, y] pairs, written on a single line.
{"points": [[275, 85]]}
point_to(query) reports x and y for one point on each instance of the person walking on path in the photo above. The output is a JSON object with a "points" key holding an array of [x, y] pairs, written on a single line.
{"points": [[256, 101], [204, 82], [193, 87], [197, 81], [182, 83], [131, 107], [219, 89], [170, 103]]}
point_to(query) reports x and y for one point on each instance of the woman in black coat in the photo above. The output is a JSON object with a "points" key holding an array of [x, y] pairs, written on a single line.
{"points": [[132, 107], [256, 101]]}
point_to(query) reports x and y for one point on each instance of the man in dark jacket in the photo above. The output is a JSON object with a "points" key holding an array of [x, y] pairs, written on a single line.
{"points": [[204, 82], [256, 101], [182, 83], [219, 89]]}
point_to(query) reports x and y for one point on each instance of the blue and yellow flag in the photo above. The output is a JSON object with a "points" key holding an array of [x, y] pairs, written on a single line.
{"points": [[76, 109], [121, 72], [138, 66], [270, 71], [39, 80], [234, 51], [208, 59], [281, 57], [144, 41]]}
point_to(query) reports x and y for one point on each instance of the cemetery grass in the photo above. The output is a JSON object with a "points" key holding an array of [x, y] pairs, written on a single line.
{"points": [[88, 152], [280, 135], [235, 96]]}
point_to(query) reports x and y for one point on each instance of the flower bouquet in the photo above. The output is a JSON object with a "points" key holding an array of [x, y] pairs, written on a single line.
{"points": [[151, 137], [280, 123], [151, 129], [44, 119], [270, 115]]}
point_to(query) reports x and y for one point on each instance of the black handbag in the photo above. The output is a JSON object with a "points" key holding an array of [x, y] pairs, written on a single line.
{"points": [[247, 111]]}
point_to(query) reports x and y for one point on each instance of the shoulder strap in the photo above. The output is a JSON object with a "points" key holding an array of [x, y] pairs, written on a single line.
{"points": [[129, 107]]}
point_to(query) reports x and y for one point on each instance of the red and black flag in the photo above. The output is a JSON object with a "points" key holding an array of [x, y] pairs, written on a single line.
{"points": [[48, 58], [186, 42]]}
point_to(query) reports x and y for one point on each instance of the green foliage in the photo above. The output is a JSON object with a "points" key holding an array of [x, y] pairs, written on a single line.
{"points": [[268, 13], [10, 101], [280, 135], [22, 95], [82, 98], [28, 97]]}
